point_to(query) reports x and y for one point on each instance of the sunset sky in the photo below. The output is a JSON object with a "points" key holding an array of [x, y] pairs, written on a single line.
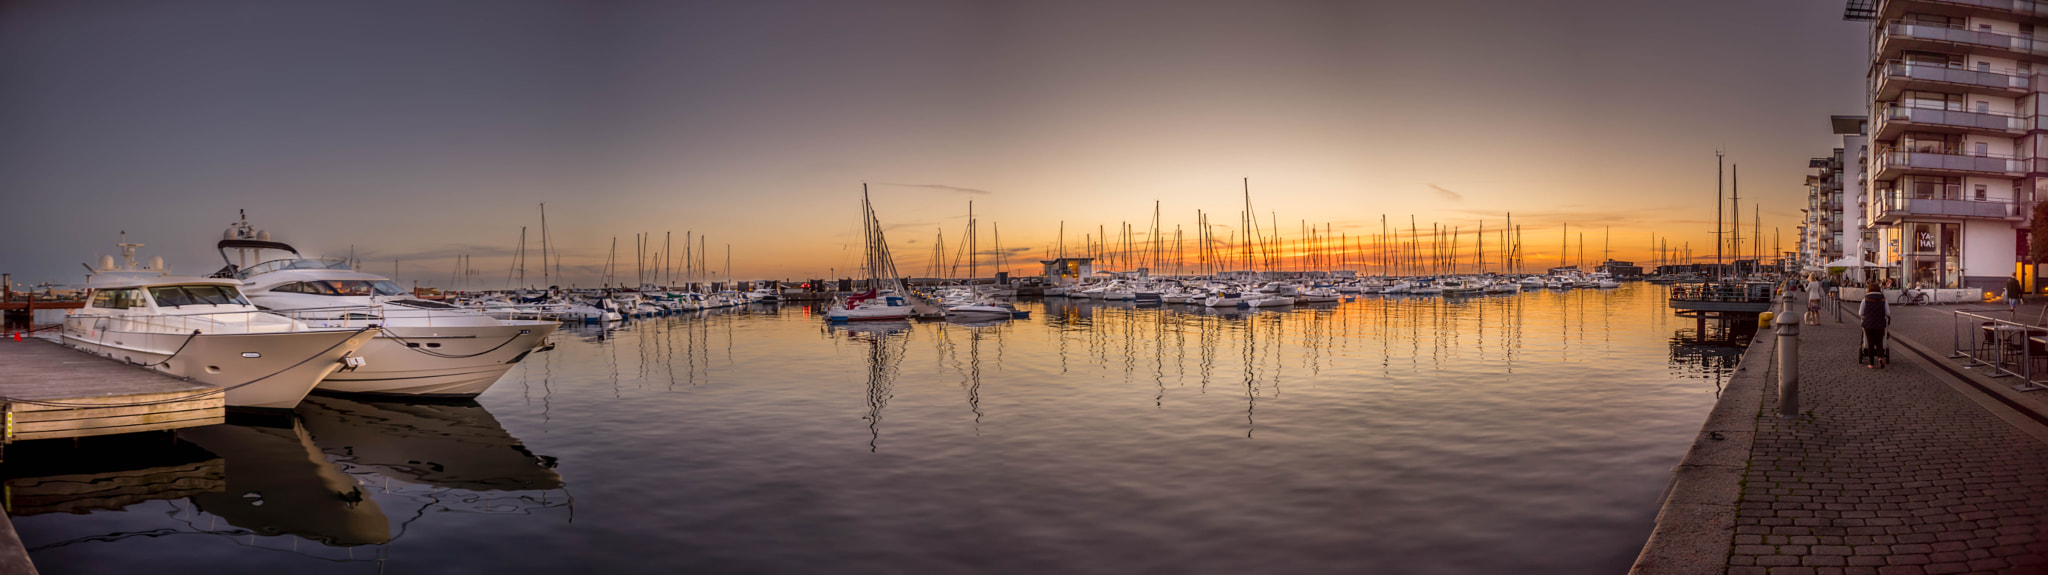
{"points": [[415, 131]]}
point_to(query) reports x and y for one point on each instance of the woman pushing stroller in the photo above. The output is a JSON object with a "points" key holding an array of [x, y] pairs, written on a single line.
{"points": [[1877, 315]]}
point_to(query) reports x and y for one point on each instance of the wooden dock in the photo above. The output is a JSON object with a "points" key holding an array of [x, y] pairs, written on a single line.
{"points": [[48, 391]]}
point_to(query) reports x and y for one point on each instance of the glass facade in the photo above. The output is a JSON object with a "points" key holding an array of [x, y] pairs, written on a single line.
{"points": [[1933, 254]]}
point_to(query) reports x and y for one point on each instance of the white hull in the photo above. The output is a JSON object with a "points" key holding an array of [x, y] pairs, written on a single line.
{"points": [[449, 362], [1214, 301], [868, 313], [979, 312], [288, 364]]}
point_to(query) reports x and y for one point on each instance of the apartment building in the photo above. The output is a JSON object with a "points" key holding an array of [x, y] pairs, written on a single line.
{"points": [[1957, 150], [1820, 233], [1834, 225]]}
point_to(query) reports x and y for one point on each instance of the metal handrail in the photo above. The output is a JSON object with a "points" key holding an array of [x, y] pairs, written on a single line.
{"points": [[2016, 79], [1963, 35], [293, 264], [1723, 292], [1948, 117], [352, 317], [1997, 342], [1944, 160]]}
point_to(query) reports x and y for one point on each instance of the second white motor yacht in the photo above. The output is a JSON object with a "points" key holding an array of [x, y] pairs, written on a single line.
{"points": [[427, 348]]}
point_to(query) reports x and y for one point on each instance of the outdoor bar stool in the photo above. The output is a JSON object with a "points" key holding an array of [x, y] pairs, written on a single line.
{"points": [[1987, 344]]}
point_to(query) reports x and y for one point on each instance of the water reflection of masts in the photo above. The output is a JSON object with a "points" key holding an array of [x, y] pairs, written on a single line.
{"points": [[974, 375], [1251, 376], [886, 344]]}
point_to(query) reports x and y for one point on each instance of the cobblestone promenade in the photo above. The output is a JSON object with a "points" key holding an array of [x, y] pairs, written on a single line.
{"points": [[1892, 472]]}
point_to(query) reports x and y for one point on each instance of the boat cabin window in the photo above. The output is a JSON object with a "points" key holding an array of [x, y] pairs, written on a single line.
{"points": [[118, 298], [183, 295], [342, 288]]}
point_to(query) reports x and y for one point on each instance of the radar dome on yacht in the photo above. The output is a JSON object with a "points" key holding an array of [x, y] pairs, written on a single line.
{"points": [[263, 235], [229, 234], [106, 263], [156, 263]]}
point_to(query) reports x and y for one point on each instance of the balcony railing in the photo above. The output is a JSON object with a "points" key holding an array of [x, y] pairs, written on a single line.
{"points": [[1902, 159], [1892, 202], [1953, 118], [2018, 7], [1900, 70], [1960, 35]]}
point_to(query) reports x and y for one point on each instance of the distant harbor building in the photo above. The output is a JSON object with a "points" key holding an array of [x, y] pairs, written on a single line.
{"points": [[1621, 269], [1063, 271], [1952, 168]]}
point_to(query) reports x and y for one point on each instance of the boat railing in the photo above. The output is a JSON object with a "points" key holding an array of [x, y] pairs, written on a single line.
{"points": [[293, 264], [300, 320]]}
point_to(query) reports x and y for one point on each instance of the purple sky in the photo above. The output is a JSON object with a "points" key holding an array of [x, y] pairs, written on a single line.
{"points": [[415, 131]]}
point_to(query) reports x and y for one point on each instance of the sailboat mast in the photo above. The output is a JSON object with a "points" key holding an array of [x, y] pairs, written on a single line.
{"points": [[544, 244]]}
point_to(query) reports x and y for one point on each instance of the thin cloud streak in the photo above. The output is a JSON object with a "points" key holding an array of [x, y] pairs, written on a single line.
{"points": [[940, 187], [1447, 194]]}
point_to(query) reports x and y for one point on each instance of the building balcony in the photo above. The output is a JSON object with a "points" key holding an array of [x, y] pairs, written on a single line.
{"points": [[1898, 77], [1891, 164], [1896, 37], [2002, 9], [1894, 207], [1896, 120]]}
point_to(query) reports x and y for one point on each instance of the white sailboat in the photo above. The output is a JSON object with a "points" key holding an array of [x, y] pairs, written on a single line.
{"points": [[885, 298]]}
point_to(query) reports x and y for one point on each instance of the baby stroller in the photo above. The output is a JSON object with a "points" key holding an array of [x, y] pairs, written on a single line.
{"points": [[1876, 317]]}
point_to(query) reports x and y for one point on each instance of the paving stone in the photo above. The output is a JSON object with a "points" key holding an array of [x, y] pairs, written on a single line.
{"points": [[1889, 471]]}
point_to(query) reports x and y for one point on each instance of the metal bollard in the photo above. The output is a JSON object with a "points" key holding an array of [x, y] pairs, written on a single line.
{"points": [[1788, 363]]}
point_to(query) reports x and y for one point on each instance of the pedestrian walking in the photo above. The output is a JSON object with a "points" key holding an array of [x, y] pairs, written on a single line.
{"points": [[1877, 315], [2013, 295], [1813, 290]]}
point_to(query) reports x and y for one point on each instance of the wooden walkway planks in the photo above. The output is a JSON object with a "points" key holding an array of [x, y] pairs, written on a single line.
{"points": [[101, 396]]}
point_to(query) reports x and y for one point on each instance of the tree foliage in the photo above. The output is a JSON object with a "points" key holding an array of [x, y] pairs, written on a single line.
{"points": [[2037, 240]]}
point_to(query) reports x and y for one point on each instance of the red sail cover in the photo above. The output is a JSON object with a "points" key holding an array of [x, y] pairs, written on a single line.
{"points": [[859, 297]]}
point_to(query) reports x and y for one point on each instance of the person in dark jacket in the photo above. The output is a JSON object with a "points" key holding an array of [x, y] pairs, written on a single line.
{"points": [[1877, 315], [2013, 293]]}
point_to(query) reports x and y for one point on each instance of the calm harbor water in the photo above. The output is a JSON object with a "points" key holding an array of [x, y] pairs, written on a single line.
{"points": [[1502, 434]]}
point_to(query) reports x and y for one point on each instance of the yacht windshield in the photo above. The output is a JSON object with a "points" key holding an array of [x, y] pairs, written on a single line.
{"points": [[358, 288], [183, 295], [292, 264]]}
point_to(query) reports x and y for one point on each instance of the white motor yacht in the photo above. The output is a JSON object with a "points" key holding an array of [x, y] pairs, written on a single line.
{"points": [[1266, 300], [981, 308], [764, 295], [1605, 280], [1318, 295], [426, 348], [203, 329]]}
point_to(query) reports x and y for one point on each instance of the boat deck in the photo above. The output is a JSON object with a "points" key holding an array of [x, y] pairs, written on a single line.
{"points": [[93, 395]]}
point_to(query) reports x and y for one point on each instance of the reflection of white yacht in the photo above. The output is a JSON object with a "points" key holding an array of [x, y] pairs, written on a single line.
{"points": [[279, 483], [427, 348], [203, 329], [456, 445]]}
